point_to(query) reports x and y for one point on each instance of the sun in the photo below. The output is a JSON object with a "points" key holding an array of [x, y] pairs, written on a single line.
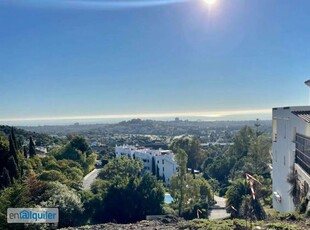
{"points": [[209, 2]]}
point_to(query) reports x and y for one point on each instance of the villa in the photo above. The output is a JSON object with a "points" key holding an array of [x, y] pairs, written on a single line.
{"points": [[161, 162]]}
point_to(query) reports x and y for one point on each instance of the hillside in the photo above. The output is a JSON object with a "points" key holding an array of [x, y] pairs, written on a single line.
{"points": [[287, 221]]}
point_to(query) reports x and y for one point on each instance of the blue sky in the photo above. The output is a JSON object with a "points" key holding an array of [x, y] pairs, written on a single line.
{"points": [[64, 59]]}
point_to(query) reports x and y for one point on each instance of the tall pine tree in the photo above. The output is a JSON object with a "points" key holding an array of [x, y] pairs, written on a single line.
{"points": [[32, 148], [13, 169], [6, 178], [25, 151], [153, 166], [13, 146]]}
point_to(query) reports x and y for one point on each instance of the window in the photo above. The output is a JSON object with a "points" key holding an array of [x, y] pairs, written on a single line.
{"points": [[302, 155], [274, 130], [163, 162], [163, 169]]}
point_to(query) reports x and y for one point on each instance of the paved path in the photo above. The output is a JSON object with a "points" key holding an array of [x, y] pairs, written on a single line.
{"points": [[218, 211], [90, 178]]}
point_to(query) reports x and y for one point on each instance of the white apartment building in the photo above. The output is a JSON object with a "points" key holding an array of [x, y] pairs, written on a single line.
{"points": [[290, 149], [164, 161]]}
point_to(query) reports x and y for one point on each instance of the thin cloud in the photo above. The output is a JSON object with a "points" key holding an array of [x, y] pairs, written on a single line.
{"points": [[96, 4]]}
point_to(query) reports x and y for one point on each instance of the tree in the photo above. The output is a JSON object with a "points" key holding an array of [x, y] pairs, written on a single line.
{"points": [[80, 143], [14, 196], [35, 187], [242, 141], [151, 194], [181, 158], [13, 169], [13, 147], [259, 155], [235, 193], [191, 145], [196, 195], [5, 179], [120, 168], [123, 195], [53, 175], [239, 196], [32, 148], [66, 200], [25, 152]]}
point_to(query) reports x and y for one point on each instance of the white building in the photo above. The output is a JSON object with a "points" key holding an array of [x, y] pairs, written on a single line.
{"points": [[290, 150], [164, 161]]}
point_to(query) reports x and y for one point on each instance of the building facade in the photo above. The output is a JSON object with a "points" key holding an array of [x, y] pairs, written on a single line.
{"points": [[161, 162], [290, 154]]}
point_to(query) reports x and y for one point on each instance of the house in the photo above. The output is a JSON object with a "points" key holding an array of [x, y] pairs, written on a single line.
{"points": [[290, 154], [161, 162]]}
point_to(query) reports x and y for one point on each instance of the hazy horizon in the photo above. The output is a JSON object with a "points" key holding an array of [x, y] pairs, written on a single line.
{"points": [[195, 116]]}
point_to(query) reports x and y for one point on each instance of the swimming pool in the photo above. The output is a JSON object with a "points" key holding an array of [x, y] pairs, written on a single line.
{"points": [[168, 198]]}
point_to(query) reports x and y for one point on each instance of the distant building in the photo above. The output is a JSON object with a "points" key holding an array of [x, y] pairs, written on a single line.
{"points": [[40, 150], [164, 161], [290, 151]]}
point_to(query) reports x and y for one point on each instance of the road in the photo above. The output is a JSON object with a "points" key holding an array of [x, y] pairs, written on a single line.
{"points": [[218, 211], [90, 178]]}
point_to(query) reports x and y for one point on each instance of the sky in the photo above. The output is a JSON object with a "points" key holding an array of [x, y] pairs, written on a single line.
{"points": [[82, 60]]}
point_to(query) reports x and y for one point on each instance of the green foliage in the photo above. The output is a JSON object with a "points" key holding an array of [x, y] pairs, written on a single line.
{"points": [[5, 178], [121, 194], [71, 153], [259, 155], [189, 193], [69, 203], [178, 183], [236, 224], [249, 153], [53, 175], [133, 201], [77, 150], [15, 196], [4, 147], [235, 193], [191, 145], [90, 163], [120, 168], [151, 195], [10, 160], [80, 144], [239, 197]]}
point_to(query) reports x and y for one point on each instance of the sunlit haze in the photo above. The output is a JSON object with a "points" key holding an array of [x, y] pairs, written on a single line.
{"points": [[210, 2]]}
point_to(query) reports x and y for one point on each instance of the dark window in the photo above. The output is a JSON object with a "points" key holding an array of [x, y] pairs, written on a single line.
{"points": [[302, 156]]}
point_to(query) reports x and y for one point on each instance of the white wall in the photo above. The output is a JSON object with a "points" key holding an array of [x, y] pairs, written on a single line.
{"points": [[165, 162], [285, 126]]}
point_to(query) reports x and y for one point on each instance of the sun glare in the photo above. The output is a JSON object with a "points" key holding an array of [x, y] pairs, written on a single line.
{"points": [[209, 2]]}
